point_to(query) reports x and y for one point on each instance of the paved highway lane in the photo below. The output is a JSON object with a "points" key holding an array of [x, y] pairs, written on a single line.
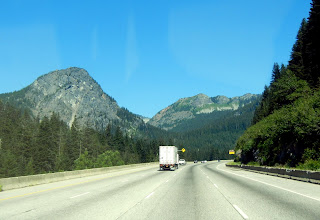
{"points": [[266, 197], [195, 191]]}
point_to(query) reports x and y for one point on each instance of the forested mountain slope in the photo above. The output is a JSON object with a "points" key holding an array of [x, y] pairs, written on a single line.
{"points": [[286, 125], [195, 112], [31, 146], [219, 135]]}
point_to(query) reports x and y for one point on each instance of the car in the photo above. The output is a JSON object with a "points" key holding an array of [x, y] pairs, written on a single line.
{"points": [[204, 161], [182, 162], [195, 161]]}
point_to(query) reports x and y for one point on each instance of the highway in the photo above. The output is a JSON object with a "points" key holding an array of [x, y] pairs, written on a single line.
{"points": [[194, 191]]}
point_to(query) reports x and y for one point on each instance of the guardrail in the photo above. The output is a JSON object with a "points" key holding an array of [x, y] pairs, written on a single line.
{"points": [[24, 181], [303, 175]]}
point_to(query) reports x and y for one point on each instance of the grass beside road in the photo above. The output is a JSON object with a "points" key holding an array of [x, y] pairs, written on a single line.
{"points": [[234, 163]]}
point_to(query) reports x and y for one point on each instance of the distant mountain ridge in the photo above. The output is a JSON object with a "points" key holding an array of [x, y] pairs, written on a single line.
{"points": [[188, 109], [72, 93]]}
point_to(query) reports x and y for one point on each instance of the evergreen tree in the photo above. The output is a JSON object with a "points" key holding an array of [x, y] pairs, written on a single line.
{"points": [[8, 164], [296, 61], [74, 146], [30, 167], [44, 158], [311, 46], [119, 140], [275, 72], [264, 107]]}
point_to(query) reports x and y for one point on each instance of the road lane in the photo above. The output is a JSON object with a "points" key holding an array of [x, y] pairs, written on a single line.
{"points": [[266, 197], [188, 195], [195, 191]]}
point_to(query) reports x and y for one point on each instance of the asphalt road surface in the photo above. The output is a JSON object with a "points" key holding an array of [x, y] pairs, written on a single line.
{"points": [[194, 191]]}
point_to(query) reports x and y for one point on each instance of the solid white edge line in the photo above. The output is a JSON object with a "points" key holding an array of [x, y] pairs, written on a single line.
{"points": [[79, 195], [288, 190], [215, 185], [149, 195], [241, 212]]}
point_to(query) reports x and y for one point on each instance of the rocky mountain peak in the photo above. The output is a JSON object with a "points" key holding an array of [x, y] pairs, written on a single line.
{"points": [[220, 99], [72, 93]]}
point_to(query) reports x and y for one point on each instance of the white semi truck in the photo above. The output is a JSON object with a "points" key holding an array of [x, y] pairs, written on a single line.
{"points": [[168, 158]]}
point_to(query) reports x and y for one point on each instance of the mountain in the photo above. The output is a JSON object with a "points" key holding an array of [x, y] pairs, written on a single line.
{"points": [[73, 93], [194, 112], [211, 136]]}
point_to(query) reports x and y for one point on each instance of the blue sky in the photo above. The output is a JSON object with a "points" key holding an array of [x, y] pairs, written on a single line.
{"points": [[149, 53]]}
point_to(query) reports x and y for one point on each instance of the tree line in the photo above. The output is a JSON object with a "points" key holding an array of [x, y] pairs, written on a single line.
{"points": [[29, 145], [218, 134], [286, 125]]}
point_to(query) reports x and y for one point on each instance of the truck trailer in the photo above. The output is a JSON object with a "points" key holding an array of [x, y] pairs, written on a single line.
{"points": [[168, 158]]}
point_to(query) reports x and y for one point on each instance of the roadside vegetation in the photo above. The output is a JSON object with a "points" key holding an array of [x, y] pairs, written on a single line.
{"points": [[286, 126], [233, 163], [30, 146]]}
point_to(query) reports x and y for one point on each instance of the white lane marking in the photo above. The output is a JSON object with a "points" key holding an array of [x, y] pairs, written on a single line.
{"points": [[149, 195], [241, 212], [123, 181], [203, 172], [288, 190], [167, 181], [207, 177], [79, 195], [215, 185]]}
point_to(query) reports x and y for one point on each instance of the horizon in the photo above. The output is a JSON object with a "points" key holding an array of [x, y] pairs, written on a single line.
{"points": [[147, 56]]}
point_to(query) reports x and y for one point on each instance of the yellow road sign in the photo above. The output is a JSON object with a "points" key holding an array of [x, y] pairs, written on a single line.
{"points": [[183, 150], [231, 152]]}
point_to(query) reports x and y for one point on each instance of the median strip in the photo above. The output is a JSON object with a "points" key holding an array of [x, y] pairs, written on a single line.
{"points": [[69, 185]]}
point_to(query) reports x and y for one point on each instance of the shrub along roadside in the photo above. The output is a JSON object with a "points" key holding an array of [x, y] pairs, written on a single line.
{"points": [[313, 165], [288, 137]]}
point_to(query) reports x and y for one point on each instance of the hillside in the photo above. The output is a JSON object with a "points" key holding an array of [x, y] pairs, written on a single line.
{"points": [[73, 93], [195, 112], [286, 124], [217, 136]]}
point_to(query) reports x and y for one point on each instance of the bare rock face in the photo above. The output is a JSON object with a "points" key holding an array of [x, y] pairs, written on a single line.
{"points": [[189, 108], [72, 93]]}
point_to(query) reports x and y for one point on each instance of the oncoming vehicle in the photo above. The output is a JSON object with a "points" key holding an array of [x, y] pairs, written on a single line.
{"points": [[195, 161]]}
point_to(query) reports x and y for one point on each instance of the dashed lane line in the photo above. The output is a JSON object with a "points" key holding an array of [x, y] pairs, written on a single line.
{"points": [[65, 186], [79, 195], [240, 212], [149, 195]]}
